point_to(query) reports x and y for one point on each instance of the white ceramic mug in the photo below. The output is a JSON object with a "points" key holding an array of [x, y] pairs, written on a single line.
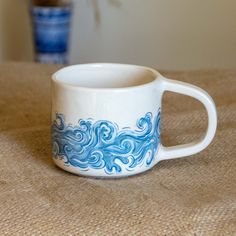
{"points": [[106, 119]]}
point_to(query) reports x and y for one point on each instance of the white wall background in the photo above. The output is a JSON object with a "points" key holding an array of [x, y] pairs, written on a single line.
{"points": [[167, 34], [15, 31]]}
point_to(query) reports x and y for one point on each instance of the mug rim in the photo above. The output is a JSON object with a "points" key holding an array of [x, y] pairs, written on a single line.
{"points": [[155, 73]]}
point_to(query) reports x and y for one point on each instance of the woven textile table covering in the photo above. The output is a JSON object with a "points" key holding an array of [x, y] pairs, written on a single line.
{"points": [[195, 195]]}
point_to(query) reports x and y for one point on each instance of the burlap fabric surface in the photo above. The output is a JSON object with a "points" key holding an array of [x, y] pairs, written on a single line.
{"points": [[189, 196]]}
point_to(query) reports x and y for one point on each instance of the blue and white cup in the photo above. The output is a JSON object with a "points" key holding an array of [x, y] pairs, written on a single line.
{"points": [[51, 28], [106, 119]]}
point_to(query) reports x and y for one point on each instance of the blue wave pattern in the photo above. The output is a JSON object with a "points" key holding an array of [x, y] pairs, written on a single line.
{"points": [[102, 145]]}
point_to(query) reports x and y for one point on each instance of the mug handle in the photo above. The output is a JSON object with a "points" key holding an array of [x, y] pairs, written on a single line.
{"points": [[173, 152]]}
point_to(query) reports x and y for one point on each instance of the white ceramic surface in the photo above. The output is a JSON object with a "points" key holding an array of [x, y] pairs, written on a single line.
{"points": [[106, 117]]}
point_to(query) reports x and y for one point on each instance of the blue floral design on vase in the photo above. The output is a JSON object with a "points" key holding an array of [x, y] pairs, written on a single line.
{"points": [[103, 145]]}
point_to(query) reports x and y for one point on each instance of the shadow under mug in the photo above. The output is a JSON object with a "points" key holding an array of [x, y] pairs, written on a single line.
{"points": [[106, 119]]}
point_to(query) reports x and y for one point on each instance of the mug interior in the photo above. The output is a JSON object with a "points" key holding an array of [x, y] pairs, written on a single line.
{"points": [[105, 75]]}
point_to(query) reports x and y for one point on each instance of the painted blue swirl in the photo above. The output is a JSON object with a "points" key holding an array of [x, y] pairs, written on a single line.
{"points": [[102, 145]]}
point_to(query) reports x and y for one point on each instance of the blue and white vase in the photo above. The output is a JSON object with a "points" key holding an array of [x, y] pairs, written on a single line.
{"points": [[51, 28]]}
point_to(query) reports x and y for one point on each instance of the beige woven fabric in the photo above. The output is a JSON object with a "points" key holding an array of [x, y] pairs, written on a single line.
{"points": [[189, 196]]}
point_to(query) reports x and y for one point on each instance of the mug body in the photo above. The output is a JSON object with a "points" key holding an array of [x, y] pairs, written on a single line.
{"points": [[106, 119]]}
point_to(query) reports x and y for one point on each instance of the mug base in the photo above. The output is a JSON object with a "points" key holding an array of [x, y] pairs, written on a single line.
{"points": [[94, 173]]}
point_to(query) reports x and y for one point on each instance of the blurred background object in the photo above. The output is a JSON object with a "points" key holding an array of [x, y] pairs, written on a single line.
{"points": [[49, 3], [51, 29], [164, 34]]}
